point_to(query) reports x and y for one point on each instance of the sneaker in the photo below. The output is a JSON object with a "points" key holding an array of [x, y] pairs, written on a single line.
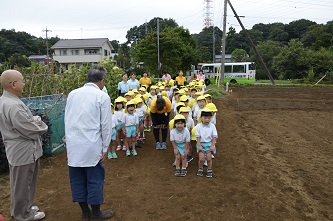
{"points": [[183, 172], [104, 214], [205, 163], [209, 173], [114, 155], [35, 208], [174, 163], [200, 172], [110, 155], [178, 172], [145, 130], [118, 148], [128, 153], [124, 148], [164, 146], [158, 146], [39, 215], [134, 153], [189, 158]]}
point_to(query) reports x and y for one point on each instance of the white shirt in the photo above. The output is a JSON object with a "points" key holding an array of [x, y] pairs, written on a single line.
{"points": [[88, 120], [133, 84], [141, 111], [213, 121], [206, 133], [197, 112], [114, 121], [189, 123], [130, 119], [180, 137], [119, 114]]}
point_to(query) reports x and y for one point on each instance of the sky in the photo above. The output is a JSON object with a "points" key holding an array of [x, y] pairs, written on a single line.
{"points": [[75, 19]]}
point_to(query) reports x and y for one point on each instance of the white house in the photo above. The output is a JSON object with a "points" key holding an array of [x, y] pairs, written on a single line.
{"points": [[78, 51]]}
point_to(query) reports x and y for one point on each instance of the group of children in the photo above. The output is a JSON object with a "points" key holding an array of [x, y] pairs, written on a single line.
{"points": [[193, 125]]}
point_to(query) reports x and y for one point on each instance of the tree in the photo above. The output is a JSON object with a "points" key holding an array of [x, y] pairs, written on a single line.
{"points": [[239, 55], [296, 29], [178, 50], [138, 33], [115, 45], [293, 61], [268, 50], [234, 41], [19, 60]]}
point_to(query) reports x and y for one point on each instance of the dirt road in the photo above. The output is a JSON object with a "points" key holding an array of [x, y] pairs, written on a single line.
{"points": [[274, 162]]}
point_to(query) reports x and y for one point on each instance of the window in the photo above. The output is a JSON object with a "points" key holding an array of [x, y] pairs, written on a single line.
{"points": [[63, 52], [75, 52], [238, 69], [227, 69], [105, 52], [91, 51]]}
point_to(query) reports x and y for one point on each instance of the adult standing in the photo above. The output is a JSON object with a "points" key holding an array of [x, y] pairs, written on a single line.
{"points": [[180, 79], [145, 80], [21, 132], [160, 109], [200, 76], [88, 134], [166, 76], [133, 82], [123, 86]]}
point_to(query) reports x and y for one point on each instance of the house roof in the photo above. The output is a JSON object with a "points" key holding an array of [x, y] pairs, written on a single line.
{"points": [[81, 43], [38, 57]]}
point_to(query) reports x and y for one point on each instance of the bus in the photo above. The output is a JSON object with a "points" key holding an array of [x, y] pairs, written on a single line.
{"points": [[237, 72]]}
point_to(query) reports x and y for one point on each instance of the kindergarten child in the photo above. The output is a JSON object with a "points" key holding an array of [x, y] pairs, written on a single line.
{"points": [[206, 134], [130, 128], [141, 110], [112, 154], [180, 139], [118, 114], [189, 125], [201, 101]]}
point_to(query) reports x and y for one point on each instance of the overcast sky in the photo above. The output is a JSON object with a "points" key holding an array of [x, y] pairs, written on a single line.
{"points": [[74, 19]]}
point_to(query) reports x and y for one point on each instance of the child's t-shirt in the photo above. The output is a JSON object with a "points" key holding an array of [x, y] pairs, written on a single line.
{"points": [[119, 114], [189, 123], [130, 119], [180, 137], [206, 133], [197, 112], [141, 111], [114, 121]]}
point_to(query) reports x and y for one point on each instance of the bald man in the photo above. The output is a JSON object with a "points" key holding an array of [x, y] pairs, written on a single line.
{"points": [[21, 134]]}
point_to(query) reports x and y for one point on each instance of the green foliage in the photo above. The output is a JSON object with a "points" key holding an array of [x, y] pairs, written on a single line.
{"points": [[239, 55], [43, 80], [293, 61], [177, 50], [19, 60]]}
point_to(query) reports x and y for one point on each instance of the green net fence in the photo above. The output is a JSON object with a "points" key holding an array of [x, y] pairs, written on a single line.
{"points": [[51, 108]]}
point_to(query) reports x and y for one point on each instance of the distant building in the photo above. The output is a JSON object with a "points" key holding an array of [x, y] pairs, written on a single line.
{"points": [[40, 59], [78, 51]]}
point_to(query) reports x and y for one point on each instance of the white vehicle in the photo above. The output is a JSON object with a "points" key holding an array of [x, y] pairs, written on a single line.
{"points": [[237, 72]]}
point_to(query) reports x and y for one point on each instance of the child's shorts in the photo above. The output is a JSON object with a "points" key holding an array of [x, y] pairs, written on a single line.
{"points": [[140, 120], [113, 134], [120, 125], [181, 148], [131, 131], [205, 146]]}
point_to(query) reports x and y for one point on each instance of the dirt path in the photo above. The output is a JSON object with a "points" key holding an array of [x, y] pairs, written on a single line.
{"points": [[274, 162]]}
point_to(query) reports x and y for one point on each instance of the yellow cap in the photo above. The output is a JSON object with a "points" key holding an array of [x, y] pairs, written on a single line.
{"points": [[153, 87], [183, 98], [135, 91], [207, 110], [211, 107], [164, 93], [198, 93], [180, 104], [162, 88], [179, 117], [181, 92], [184, 110], [201, 98], [136, 100], [207, 95], [142, 89], [119, 100], [130, 103]]}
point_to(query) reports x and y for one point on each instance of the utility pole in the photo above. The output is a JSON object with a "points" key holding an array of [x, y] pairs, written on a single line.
{"points": [[213, 44], [252, 44], [47, 45], [224, 36], [158, 47]]}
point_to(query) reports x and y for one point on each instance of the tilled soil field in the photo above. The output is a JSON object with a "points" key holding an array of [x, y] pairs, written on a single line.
{"points": [[274, 161]]}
